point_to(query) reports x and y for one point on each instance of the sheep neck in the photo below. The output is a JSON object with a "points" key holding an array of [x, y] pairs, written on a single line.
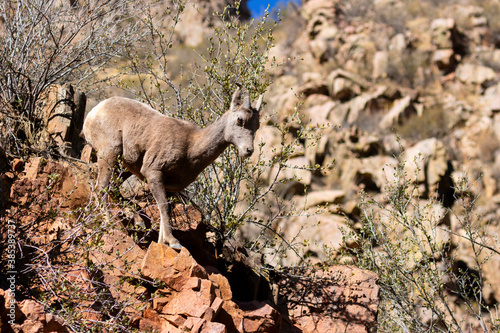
{"points": [[210, 142]]}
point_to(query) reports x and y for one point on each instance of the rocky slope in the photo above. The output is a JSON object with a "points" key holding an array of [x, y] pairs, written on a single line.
{"points": [[153, 287]]}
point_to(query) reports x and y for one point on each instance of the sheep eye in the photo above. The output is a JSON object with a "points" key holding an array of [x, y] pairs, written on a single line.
{"points": [[240, 122]]}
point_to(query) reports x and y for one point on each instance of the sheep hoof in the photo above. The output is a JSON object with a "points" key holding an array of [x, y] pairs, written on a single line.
{"points": [[176, 246]]}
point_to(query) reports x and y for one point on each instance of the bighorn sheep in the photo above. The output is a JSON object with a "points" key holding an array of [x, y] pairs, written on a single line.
{"points": [[169, 153]]}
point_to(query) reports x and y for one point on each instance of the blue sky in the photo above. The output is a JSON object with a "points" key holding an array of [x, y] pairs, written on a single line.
{"points": [[257, 7]]}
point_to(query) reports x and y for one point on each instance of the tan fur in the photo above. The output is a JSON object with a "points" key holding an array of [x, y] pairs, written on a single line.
{"points": [[169, 153]]}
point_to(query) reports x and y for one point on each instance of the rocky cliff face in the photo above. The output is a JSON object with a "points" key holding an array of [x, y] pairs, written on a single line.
{"points": [[432, 82], [199, 16], [385, 81]]}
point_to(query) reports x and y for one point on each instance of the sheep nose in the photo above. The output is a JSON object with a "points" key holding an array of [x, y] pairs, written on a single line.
{"points": [[249, 152]]}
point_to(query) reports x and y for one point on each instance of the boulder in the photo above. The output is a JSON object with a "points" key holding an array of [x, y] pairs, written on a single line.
{"points": [[430, 151], [490, 101], [222, 286], [295, 176], [445, 59], [9, 307], [366, 146], [344, 89], [30, 316], [267, 139], [358, 104], [343, 85], [380, 65], [309, 232], [473, 22], [334, 300], [172, 267], [318, 115], [282, 96], [442, 31], [323, 197], [88, 154], [68, 181], [355, 52], [317, 8], [119, 261], [199, 301], [492, 267], [260, 317], [189, 303], [401, 108], [475, 74], [369, 174], [133, 187], [470, 16], [321, 124], [64, 111], [198, 17], [314, 86]]}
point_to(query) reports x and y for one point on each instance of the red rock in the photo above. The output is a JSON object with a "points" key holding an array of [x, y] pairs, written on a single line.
{"points": [[32, 326], [150, 320], [167, 327], [186, 303], [175, 320], [30, 317], [214, 328], [197, 270], [54, 323], [69, 189], [207, 291], [91, 315], [120, 258], [231, 316], [194, 324], [193, 283], [209, 314], [341, 299], [17, 164], [172, 267], [80, 277], [159, 303], [260, 317], [223, 288], [32, 310], [32, 167], [217, 305], [186, 218], [86, 155]]}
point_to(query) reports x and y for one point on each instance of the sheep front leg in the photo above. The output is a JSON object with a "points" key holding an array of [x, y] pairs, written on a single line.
{"points": [[105, 165], [155, 182]]}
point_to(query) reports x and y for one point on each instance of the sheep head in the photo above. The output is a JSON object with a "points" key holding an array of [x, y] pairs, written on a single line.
{"points": [[243, 122]]}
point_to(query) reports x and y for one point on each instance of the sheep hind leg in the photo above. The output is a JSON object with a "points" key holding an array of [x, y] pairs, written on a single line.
{"points": [[156, 186]]}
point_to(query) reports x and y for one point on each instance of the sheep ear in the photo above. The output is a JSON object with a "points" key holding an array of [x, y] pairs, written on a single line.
{"points": [[258, 104], [236, 100], [246, 100], [239, 100]]}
